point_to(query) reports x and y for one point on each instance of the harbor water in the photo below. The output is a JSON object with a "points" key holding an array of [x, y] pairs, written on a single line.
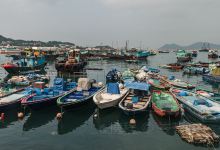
{"points": [[110, 129]]}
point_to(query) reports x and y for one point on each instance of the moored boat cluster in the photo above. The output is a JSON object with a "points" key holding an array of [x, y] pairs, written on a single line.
{"points": [[133, 91]]}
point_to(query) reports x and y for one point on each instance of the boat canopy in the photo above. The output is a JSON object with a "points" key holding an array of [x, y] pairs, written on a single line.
{"points": [[138, 86]]}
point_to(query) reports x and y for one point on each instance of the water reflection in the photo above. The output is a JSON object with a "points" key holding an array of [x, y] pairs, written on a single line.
{"points": [[141, 122], [73, 119], [10, 118], [106, 118], [166, 124], [39, 118]]}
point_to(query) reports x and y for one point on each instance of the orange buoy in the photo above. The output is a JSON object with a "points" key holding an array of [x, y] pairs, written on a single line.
{"points": [[2, 116], [20, 115], [59, 116], [132, 122]]}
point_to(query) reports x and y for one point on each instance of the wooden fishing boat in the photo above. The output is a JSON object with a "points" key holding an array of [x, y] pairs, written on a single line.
{"points": [[194, 53], [178, 83], [25, 64], [13, 99], [175, 66], [165, 104], [213, 54], [136, 99], [84, 93], [150, 69], [195, 70], [183, 56], [72, 64], [203, 108], [214, 76], [157, 83], [110, 96], [161, 51], [47, 96]]}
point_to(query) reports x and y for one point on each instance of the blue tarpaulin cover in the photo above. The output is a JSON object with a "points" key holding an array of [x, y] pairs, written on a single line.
{"points": [[113, 88], [137, 86]]}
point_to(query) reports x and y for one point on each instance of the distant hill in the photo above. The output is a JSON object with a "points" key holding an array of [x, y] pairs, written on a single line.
{"points": [[5, 41], [197, 45]]}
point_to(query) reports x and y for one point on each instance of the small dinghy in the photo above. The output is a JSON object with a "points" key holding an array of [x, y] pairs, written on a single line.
{"points": [[157, 83], [137, 99], [48, 96], [177, 82], [203, 108], [165, 104], [110, 96], [86, 89]]}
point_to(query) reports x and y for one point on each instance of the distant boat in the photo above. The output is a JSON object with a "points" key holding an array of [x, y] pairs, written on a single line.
{"points": [[161, 51], [25, 64], [9, 50], [214, 75], [194, 53], [183, 56], [213, 54], [73, 63], [205, 48]]}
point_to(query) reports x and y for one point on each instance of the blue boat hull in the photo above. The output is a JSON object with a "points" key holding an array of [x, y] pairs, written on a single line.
{"points": [[7, 107], [41, 104], [211, 79]]}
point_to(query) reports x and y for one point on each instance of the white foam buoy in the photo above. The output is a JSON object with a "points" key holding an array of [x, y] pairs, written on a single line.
{"points": [[132, 121]]}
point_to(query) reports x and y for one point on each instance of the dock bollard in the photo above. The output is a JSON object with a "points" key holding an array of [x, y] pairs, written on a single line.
{"points": [[20, 115]]}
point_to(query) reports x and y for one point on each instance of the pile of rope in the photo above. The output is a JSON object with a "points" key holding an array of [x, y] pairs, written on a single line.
{"points": [[197, 134]]}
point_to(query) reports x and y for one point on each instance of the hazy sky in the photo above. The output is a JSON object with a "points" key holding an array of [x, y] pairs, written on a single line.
{"points": [[92, 22]]}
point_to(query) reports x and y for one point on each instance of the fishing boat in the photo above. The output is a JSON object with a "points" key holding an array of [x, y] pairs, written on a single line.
{"points": [[195, 70], [150, 69], [213, 76], [136, 99], [158, 84], [194, 53], [113, 76], [19, 81], [165, 104], [175, 66], [204, 91], [73, 63], [163, 51], [47, 96], [110, 96], [177, 82], [25, 64], [13, 99], [25, 80], [213, 54], [86, 89], [183, 56], [128, 75], [203, 108]]}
